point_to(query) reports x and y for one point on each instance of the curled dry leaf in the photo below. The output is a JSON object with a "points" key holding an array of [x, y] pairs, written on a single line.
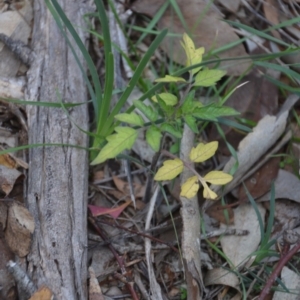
{"points": [[20, 226], [8, 178], [202, 19], [16, 25], [7, 161], [94, 287]]}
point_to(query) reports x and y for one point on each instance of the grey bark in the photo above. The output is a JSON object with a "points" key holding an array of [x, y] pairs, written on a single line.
{"points": [[57, 176]]}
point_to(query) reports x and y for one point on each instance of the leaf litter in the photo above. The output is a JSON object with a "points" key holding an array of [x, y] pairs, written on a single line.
{"points": [[138, 241]]}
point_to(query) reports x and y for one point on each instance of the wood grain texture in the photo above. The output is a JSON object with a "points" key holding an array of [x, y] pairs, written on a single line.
{"points": [[57, 176]]}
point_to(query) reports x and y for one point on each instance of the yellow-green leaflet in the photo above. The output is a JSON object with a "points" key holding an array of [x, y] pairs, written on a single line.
{"points": [[209, 194], [118, 142], [169, 170], [208, 77], [203, 151], [190, 188], [169, 78], [131, 118], [194, 56], [217, 177], [168, 98]]}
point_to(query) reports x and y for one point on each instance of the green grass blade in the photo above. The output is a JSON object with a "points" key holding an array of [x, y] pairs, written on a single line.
{"points": [[271, 217], [44, 104], [103, 109], [132, 82], [283, 85], [179, 14], [283, 69], [59, 16], [260, 33]]}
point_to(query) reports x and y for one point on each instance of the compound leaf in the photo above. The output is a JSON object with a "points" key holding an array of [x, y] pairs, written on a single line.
{"points": [[217, 177], [203, 151], [190, 188], [170, 169], [118, 142]]}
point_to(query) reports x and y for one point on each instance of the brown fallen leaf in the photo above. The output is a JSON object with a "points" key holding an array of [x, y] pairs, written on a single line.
{"points": [[260, 182], [238, 249], [8, 178], [43, 293], [271, 10], [123, 187], [217, 212], [205, 26], [7, 161], [253, 100], [19, 229], [231, 5]]}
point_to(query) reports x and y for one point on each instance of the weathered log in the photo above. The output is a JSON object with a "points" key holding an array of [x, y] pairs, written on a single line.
{"points": [[57, 176]]}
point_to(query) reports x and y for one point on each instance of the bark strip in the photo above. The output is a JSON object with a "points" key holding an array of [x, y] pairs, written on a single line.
{"points": [[57, 176]]}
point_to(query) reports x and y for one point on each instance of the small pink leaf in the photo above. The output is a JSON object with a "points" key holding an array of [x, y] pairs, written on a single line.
{"points": [[114, 212]]}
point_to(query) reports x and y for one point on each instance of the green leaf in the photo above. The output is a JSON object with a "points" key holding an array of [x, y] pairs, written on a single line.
{"points": [[212, 112], [192, 123], [123, 139], [208, 77], [131, 118], [188, 104], [167, 109], [170, 129], [148, 111], [190, 188], [153, 138], [203, 151], [168, 98], [169, 78], [169, 170], [217, 177]]}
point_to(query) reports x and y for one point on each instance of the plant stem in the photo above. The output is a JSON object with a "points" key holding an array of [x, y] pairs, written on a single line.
{"points": [[282, 262]]}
